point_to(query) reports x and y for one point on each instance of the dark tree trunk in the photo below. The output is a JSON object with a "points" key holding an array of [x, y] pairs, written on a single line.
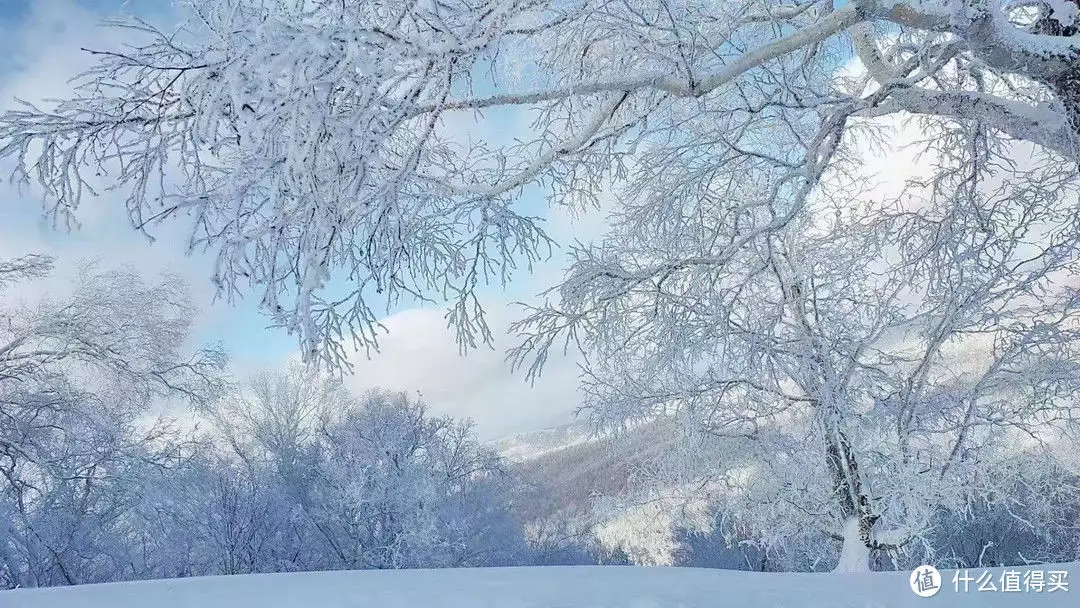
{"points": [[848, 486], [1067, 87]]}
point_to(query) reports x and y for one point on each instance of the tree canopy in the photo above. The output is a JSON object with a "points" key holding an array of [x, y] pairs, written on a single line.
{"points": [[308, 140]]}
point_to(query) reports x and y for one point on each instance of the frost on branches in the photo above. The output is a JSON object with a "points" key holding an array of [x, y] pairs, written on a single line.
{"points": [[79, 376], [313, 145], [362, 481], [912, 350]]}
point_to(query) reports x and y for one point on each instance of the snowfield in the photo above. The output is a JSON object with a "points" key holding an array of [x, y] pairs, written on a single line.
{"points": [[550, 587]]}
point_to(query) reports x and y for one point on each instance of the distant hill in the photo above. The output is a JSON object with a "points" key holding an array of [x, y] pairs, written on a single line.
{"points": [[594, 481], [575, 466], [533, 444]]}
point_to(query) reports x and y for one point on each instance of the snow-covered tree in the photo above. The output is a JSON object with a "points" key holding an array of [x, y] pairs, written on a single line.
{"points": [[399, 488], [223, 515], [78, 374], [373, 480], [305, 141], [885, 358]]}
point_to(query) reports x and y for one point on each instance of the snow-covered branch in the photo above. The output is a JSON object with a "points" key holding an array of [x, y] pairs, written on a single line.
{"points": [[306, 146]]}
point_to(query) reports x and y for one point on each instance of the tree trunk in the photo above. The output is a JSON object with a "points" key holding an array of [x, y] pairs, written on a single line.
{"points": [[855, 554], [848, 487], [852, 499]]}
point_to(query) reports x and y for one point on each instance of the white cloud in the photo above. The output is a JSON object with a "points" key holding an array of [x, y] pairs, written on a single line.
{"points": [[419, 354]]}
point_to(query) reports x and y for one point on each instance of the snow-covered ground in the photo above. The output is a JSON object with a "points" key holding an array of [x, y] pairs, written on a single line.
{"points": [[553, 587]]}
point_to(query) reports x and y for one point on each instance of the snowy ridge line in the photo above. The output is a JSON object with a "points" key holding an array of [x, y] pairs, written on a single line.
{"points": [[534, 444]]}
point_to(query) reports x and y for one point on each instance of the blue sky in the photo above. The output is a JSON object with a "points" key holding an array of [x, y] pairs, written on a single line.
{"points": [[40, 40]]}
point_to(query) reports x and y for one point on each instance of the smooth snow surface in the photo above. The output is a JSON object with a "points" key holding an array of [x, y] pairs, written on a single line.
{"points": [[553, 587]]}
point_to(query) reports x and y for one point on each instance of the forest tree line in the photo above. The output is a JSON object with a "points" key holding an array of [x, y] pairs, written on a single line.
{"points": [[290, 471]]}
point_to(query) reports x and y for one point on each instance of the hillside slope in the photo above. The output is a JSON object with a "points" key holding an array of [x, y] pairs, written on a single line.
{"points": [[570, 587], [533, 444]]}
